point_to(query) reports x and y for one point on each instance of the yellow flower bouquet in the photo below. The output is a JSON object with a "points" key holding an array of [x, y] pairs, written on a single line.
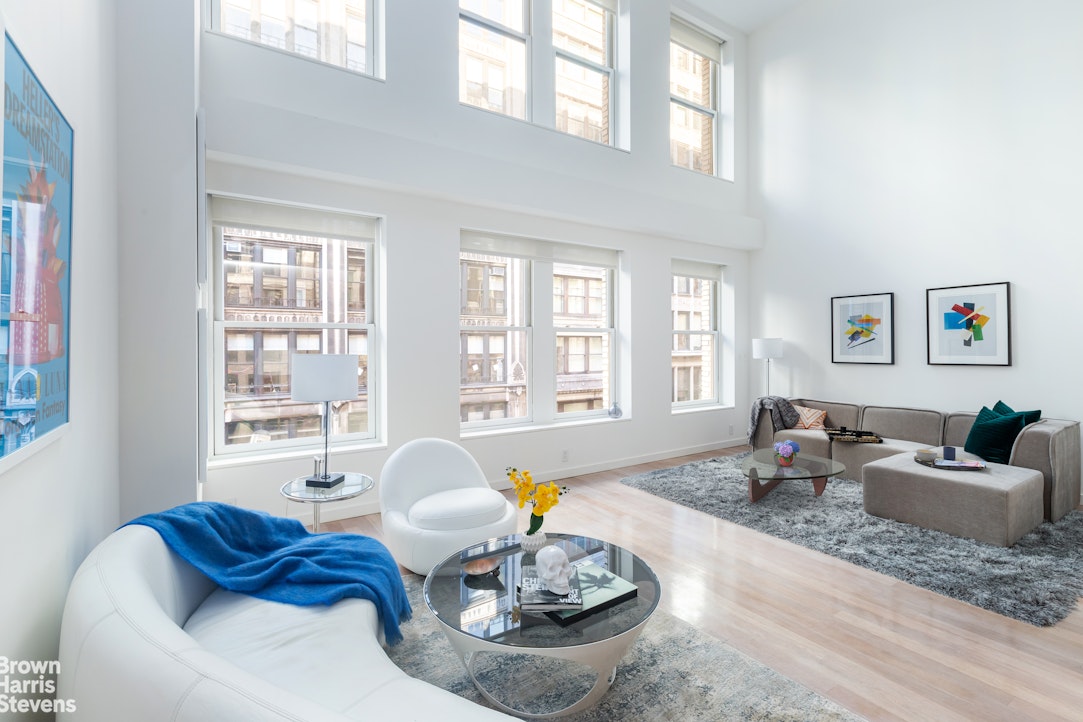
{"points": [[542, 497]]}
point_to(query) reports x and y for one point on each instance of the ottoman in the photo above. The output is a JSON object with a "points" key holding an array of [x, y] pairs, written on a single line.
{"points": [[997, 505]]}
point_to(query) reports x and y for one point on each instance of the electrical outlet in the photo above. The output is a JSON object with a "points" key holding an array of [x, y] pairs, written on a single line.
{"points": [[564, 456], [731, 429]]}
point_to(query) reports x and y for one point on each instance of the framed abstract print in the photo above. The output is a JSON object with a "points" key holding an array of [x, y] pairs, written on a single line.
{"points": [[863, 329], [970, 325]]}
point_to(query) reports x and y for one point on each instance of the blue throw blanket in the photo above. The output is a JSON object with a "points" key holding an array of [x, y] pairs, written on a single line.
{"points": [[278, 559]]}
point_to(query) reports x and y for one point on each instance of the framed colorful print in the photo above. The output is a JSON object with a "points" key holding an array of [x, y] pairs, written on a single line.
{"points": [[35, 290], [970, 325], [863, 329]]}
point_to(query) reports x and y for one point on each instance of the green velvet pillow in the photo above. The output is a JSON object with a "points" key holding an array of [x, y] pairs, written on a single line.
{"points": [[992, 435], [1029, 417]]}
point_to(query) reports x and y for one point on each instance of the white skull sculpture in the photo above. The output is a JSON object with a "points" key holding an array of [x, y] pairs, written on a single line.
{"points": [[554, 569]]}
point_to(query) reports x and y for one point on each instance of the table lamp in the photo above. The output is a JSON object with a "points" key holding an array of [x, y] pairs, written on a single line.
{"points": [[767, 348], [326, 378]]}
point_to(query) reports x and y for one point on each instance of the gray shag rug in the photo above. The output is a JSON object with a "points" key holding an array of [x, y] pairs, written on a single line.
{"points": [[672, 672], [1039, 580]]}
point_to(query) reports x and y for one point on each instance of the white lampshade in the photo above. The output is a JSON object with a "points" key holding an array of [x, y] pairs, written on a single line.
{"points": [[766, 348], [324, 377]]}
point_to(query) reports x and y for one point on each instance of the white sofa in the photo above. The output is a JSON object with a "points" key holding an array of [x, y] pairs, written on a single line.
{"points": [[147, 637]]}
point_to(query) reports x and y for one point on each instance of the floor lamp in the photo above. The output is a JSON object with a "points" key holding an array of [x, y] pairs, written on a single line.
{"points": [[767, 348], [326, 378]]}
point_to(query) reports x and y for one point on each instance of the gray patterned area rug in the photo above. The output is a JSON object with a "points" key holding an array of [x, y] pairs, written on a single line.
{"points": [[1039, 580], [672, 672]]}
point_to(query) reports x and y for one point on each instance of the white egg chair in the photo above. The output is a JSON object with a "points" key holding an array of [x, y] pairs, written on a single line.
{"points": [[435, 500]]}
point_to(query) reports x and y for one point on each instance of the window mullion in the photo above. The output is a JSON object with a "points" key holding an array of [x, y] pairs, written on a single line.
{"points": [[693, 106], [545, 342], [371, 51], [542, 70], [580, 60]]}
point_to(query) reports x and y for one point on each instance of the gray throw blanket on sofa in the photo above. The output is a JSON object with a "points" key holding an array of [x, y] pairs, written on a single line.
{"points": [[783, 415]]}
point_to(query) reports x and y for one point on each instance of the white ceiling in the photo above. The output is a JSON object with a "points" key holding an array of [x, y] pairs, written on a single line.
{"points": [[747, 15]]}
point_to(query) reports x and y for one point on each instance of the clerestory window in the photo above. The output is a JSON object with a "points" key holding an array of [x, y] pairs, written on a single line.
{"points": [[694, 92], [550, 62], [346, 33]]}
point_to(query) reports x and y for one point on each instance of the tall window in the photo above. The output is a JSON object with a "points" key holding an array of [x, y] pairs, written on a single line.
{"points": [[493, 55], [510, 330], [583, 323], [694, 59], [561, 78], [695, 309], [494, 338], [288, 281], [339, 32], [583, 50]]}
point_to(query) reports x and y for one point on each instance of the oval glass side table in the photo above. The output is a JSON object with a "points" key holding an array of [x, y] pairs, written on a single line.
{"points": [[355, 484]]}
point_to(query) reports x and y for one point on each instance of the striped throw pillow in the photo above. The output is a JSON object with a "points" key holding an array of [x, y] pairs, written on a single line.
{"points": [[810, 418]]}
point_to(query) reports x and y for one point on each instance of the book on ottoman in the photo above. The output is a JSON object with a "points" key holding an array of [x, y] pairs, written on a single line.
{"points": [[855, 435], [601, 588], [535, 597]]}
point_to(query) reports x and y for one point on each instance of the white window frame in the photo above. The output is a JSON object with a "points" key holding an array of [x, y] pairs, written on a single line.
{"points": [[526, 327], [712, 273], [524, 36], [540, 326], [374, 34], [610, 7], [541, 59], [684, 33], [234, 212], [609, 394]]}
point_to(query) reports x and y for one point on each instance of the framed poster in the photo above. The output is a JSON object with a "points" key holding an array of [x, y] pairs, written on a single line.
{"points": [[970, 325], [35, 285], [863, 329]]}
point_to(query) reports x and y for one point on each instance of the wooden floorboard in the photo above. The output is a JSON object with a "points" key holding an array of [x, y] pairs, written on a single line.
{"points": [[882, 648]]}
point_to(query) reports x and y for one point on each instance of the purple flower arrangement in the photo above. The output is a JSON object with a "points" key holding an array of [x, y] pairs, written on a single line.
{"points": [[786, 448]]}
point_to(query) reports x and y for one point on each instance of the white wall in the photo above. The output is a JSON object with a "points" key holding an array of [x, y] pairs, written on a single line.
{"points": [[420, 291], [156, 122], [901, 145], [60, 500], [284, 128]]}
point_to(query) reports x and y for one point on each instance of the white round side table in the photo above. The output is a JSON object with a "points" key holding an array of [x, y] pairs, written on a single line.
{"points": [[355, 484]]}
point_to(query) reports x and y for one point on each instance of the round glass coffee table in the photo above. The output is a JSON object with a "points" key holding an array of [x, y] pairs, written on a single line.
{"points": [[500, 646], [764, 472]]}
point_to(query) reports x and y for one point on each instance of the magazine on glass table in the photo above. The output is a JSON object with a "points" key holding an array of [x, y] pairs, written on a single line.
{"points": [[534, 596], [602, 589]]}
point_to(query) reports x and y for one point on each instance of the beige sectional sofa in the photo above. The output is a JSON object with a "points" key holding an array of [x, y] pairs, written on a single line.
{"points": [[925, 496]]}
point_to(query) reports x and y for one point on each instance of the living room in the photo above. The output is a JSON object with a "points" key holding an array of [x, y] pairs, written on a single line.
{"points": [[879, 147]]}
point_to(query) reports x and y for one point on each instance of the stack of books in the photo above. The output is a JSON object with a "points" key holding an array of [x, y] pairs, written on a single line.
{"points": [[855, 435], [534, 596]]}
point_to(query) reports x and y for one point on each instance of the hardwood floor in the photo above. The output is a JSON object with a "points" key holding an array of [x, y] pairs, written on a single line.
{"points": [[882, 648]]}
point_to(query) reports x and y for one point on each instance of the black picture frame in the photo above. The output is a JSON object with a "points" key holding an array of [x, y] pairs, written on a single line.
{"points": [[863, 329], [969, 325]]}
